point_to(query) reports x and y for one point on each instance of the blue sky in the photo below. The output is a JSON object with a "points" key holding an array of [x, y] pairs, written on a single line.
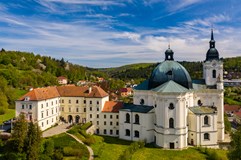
{"points": [[110, 33]]}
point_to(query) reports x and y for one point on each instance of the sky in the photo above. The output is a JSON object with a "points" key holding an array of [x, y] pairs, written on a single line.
{"points": [[112, 33]]}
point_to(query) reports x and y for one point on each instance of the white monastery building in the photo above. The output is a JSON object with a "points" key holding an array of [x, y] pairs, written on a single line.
{"points": [[169, 109]]}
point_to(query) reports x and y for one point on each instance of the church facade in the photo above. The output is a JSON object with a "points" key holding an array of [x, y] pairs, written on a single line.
{"points": [[185, 111], [169, 109]]}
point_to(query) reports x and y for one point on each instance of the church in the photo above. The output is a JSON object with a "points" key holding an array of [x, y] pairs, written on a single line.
{"points": [[169, 109], [176, 111]]}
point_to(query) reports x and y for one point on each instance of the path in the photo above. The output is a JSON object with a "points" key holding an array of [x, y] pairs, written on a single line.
{"points": [[88, 147], [56, 130]]}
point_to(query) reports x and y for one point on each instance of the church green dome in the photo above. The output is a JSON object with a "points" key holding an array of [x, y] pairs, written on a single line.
{"points": [[170, 70]]}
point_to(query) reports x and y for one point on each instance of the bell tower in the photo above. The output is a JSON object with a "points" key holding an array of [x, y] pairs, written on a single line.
{"points": [[212, 66]]}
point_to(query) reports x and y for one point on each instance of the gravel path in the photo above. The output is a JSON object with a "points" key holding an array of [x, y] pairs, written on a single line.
{"points": [[56, 130], [89, 149]]}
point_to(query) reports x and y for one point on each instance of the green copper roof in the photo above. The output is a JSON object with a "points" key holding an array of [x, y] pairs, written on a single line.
{"points": [[202, 110], [143, 85], [136, 108], [170, 70], [170, 87]]}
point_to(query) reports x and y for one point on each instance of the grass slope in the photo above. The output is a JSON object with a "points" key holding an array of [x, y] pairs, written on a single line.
{"points": [[8, 115]]}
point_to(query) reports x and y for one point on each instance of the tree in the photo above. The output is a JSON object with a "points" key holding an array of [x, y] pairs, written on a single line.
{"points": [[3, 103], [227, 124], [49, 148], [33, 141], [235, 151], [19, 133]]}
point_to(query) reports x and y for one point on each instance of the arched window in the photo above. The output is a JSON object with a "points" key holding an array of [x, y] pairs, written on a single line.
{"points": [[206, 120], [137, 134], [206, 136], [142, 101], [171, 106], [127, 118], [171, 123], [199, 102], [214, 73], [137, 120], [128, 132]]}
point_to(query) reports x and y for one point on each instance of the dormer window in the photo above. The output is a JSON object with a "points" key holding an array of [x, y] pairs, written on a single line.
{"points": [[27, 98]]}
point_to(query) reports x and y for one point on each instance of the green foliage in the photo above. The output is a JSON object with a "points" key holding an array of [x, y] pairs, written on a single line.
{"points": [[49, 147], [127, 154], [227, 124], [232, 95], [9, 114], [235, 151], [20, 130]]}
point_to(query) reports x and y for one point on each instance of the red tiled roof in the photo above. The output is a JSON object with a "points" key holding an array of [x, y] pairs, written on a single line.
{"points": [[111, 106], [77, 91], [61, 78], [229, 108], [41, 94], [64, 91], [125, 89], [238, 114]]}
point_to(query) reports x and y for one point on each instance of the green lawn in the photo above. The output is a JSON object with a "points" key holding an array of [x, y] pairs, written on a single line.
{"points": [[8, 115], [65, 142]]}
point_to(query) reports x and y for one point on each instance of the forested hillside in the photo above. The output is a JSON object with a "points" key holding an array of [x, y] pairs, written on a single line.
{"points": [[21, 70]]}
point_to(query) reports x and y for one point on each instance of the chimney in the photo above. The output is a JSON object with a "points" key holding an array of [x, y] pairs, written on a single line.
{"points": [[90, 89]]}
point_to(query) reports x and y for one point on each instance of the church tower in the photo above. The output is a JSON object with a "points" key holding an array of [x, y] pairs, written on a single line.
{"points": [[213, 75], [213, 66]]}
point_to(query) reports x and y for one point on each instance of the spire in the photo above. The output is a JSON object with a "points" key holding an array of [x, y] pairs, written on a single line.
{"points": [[212, 41]]}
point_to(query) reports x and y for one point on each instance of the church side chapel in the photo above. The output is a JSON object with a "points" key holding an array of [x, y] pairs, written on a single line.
{"points": [[175, 111]]}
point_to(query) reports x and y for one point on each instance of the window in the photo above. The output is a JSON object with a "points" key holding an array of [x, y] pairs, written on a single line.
{"points": [[127, 118], [137, 134], [111, 123], [171, 106], [84, 101], [47, 121], [104, 131], [214, 73], [104, 122], [206, 136], [137, 119], [97, 122], [62, 101], [90, 115], [42, 115], [117, 132], [42, 106], [69, 109], [97, 109], [199, 102], [22, 106], [206, 120], [30, 106], [171, 123], [47, 113], [77, 109], [142, 101], [52, 111], [110, 116], [90, 108], [128, 132], [97, 102], [56, 102], [52, 103], [42, 124], [84, 109], [117, 116], [97, 131], [111, 132], [63, 109], [69, 101], [97, 116], [104, 116], [77, 101], [117, 123], [47, 104], [90, 102]]}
